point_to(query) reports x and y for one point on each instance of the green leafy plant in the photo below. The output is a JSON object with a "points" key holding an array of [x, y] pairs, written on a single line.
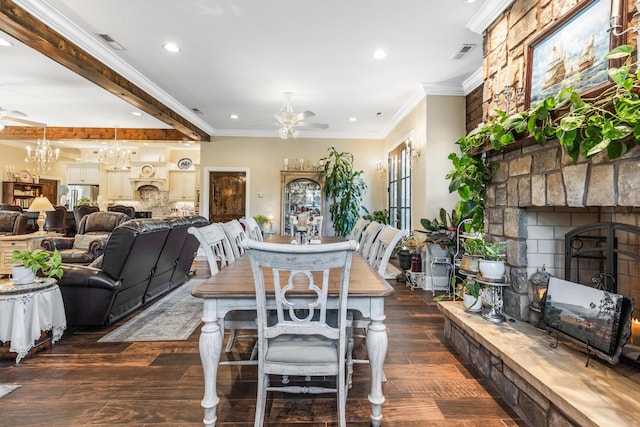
{"points": [[473, 246], [85, 201], [261, 219], [40, 260], [345, 188], [494, 251], [381, 217]]}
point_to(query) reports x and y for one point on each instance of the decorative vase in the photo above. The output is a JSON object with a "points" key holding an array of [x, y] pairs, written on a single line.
{"points": [[404, 262], [470, 303], [469, 263], [491, 269], [416, 262], [21, 275]]}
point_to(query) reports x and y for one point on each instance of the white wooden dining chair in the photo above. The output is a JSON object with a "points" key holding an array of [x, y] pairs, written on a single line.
{"points": [[368, 236], [383, 246], [300, 341], [251, 228], [358, 228], [236, 235], [219, 253], [293, 223]]}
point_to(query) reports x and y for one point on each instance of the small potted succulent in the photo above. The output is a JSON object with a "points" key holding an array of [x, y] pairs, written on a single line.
{"points": [[30, 262]]}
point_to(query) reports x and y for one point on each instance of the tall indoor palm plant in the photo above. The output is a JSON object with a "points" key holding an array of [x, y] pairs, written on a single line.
{"points": [[344, 188]]}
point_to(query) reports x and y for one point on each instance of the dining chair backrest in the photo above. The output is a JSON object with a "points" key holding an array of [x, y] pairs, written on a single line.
{"points": [[215, 244], [357, 229], [383, 247], [56, 220], [252, 228], [293, 224], [368, 236], [236, 235]]}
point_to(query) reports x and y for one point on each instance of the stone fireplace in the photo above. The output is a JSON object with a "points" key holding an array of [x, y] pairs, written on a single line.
{"points": [[538, 195]]}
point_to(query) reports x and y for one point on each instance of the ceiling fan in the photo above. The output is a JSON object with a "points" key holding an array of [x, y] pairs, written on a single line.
{"points": [[8, 117], [290, 121]]}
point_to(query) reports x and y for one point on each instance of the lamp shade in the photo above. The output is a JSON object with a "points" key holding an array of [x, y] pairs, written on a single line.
{"points": [[41, 204]]}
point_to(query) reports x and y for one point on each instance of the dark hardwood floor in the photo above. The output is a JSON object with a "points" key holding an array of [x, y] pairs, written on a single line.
{"points": [[80, 382]]}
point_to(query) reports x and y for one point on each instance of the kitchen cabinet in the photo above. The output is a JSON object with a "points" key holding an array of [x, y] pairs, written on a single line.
{"points": [[182, 186], [119, 185], [83, 173]]}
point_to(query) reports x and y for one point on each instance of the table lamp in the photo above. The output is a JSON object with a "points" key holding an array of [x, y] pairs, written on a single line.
{"points": [[41, 204]]}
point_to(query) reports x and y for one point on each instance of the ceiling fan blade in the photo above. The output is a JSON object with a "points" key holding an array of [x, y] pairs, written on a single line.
{"points": [[305, 115], [23, 121], [313, 125]]}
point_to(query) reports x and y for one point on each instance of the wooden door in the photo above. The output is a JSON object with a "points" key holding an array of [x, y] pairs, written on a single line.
{"points": [[227, 196], [50, 189]]}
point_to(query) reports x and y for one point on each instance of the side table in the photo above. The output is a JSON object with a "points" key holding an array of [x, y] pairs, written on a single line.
{"points": [[27, 310]]}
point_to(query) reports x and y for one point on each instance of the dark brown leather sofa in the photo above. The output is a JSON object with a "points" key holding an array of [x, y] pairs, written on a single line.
{"points": [[143, 259], [12, 223]]}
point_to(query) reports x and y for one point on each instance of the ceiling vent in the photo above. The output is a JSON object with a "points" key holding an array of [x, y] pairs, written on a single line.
{"points": [[111, 42], [197, 111], [463, 51]]}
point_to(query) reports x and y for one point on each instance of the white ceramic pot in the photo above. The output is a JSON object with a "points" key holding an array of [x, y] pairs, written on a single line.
{"points": [[20, 275], [470, 302], [492, 270]]}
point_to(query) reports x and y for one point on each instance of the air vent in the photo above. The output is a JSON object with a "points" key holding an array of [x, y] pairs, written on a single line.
{"points": [[378, 114], [197, 111], [111, 42], [463, 51]]}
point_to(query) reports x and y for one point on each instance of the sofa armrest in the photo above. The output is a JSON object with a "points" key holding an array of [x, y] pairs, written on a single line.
{"points": [[82, 276], [96, 248], [58, 243]]}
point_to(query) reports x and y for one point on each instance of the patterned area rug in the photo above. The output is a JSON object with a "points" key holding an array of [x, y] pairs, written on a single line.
{"points": [[7, 388], [173, 318]]}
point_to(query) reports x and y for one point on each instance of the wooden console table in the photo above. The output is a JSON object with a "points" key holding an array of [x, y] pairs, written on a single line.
{"points": [[22, 242]]}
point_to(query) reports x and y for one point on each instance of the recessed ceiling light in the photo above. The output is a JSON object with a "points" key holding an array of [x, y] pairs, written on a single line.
{"points": [[379, 54], [352, 119], [136, 113], [4, 42], [234, 116], [171, 47]]}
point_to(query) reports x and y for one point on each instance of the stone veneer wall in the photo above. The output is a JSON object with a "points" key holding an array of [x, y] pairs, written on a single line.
{"points": [[539, 191]]}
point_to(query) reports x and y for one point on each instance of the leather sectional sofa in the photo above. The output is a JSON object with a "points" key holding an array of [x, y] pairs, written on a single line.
{"points": [[143, 259]]}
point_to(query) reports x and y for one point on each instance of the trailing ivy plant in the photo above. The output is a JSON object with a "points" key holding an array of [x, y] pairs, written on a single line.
{"points": [[345, 188], [609, 122]]}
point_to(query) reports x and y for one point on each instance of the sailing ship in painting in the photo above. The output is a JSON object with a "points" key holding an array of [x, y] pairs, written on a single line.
{"points": [[557, 70], [588, 56]]}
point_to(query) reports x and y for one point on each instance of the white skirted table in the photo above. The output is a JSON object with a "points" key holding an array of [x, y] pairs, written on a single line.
{"points": [[27, 310]]}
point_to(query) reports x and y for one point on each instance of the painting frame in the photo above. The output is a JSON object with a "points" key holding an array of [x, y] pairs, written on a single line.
{"points": [[570, 54]]}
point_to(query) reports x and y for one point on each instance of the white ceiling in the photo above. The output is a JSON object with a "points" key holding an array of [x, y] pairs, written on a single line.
{"points": [[240, 56]]}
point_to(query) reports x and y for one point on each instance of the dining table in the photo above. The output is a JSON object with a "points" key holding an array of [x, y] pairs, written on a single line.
{"points": [[232, 288]]}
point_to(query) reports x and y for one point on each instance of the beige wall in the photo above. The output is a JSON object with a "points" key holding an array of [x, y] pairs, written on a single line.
{"points": [[263, 158]]}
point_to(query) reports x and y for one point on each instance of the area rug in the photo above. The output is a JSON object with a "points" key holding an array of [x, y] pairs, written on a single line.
{"points": [[7, 388], [173, 318]]}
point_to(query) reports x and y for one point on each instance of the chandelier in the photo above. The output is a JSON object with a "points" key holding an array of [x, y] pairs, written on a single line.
{"points": [[43, 156], [114, 156]]}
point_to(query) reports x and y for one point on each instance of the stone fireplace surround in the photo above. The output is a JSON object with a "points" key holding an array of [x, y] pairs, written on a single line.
{"points": [[538, 194]]}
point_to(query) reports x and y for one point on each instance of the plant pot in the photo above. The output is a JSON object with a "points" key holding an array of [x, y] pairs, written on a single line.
{"points": [[437, 251], [491, 269], [21, 275], [470, 303], [469, 263]]}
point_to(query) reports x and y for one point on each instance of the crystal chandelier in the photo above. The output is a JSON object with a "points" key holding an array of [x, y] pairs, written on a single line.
{"points": [[43, 156], [114, 156]]}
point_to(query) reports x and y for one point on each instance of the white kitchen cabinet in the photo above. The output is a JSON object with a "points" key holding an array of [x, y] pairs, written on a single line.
{"points": [[83, 173], [182, 186], [119, 185]]}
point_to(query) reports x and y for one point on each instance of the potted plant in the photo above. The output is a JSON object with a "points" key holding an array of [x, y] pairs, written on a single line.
{"points": [[30, 262], [492, 265], [473, 251], [261, 220], [471, 298], [345, 188]]}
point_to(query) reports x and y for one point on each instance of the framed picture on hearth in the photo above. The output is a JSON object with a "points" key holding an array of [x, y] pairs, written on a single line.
{"points": [[596, 319], [571, 53]]}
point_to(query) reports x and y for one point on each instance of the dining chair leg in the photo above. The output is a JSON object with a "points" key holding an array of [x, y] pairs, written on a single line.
{"points": [[261, 401], [342, 399], [232, 338], [350, 361]]}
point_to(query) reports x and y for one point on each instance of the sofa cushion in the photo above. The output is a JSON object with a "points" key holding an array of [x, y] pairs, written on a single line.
{"points": [[82, 241]]}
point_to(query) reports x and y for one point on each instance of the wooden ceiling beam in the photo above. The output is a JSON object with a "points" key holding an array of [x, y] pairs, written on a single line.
{"points": [[21, 25], [106, 134]]}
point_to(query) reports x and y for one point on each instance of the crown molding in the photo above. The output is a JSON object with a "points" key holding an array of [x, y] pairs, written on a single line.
{"points": [[446, 89], [473, 81], [487, 14]]}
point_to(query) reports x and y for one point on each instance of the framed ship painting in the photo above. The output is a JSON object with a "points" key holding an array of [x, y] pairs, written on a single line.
{"points": [[571, 52]]}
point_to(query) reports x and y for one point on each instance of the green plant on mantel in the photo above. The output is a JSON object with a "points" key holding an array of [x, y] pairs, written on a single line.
{"points": [[609, 122], [345, 188]]}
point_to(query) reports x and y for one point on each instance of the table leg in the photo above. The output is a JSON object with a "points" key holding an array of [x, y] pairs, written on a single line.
{"points": [[377, 350], [210, 349]]}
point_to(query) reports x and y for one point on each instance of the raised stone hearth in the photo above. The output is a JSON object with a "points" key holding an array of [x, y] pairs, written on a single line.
{"points": [[546, 386]]}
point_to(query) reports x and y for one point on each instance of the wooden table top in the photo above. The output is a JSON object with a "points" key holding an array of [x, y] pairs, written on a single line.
{"points": [[236, 280]]}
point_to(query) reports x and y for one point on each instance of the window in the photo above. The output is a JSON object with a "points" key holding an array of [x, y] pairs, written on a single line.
{"points": [[400, 186]]}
